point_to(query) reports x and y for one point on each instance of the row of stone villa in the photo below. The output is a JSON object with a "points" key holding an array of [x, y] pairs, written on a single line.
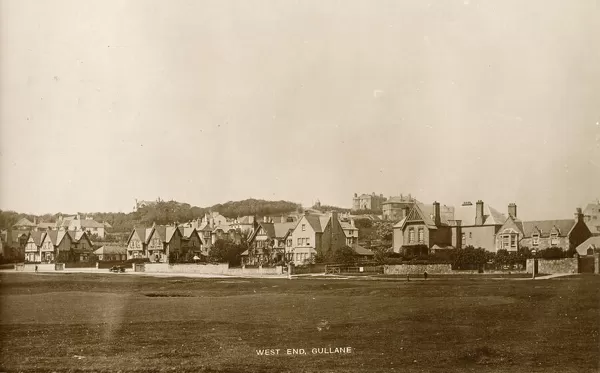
{"points": [[421, 229], [433, 228]]}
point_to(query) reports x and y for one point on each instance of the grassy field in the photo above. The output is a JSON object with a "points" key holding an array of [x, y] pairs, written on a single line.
{"points": [[102, 322]]}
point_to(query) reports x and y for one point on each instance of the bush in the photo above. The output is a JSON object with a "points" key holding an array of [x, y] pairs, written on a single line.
{"points": [[551, 253]]}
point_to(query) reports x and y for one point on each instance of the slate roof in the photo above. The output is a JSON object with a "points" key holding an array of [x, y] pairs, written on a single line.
{"points": [[315, 222], [56, 237], [141, 233], [592, 242], [268, 228], [89, 223], [362, 251], [426, 213], [76, 235], [24, 222], [545, 226], [281, 229], [46, 225], [165, 232], [38, 237], [466, 214], [187, 232], [111, 249]]}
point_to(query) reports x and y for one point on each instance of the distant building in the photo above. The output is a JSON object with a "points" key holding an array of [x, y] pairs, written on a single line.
{"points": [[350, 231], [591, 216], [393, 207], [24, 224], [76, 223], [367, 201], [141, 203]]}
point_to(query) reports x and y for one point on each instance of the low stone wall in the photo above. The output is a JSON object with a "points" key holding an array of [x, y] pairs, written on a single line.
{"points": [[255, 271], [547, 266], [210, 269], [198, 268], [404, 269], [44, 267]]}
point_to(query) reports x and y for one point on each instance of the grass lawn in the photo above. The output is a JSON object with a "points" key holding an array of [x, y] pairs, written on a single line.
{"points": [[110, 322]]}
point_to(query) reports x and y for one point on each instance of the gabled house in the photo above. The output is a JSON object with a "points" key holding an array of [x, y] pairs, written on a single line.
{"points": [[62, 243], [206, 236], [162, 243], [191, 243], [476, 225], [268, 242], [315, 234], [423, 227], [33, 248], [542, 234], [81, 247], [136, 244], [350, 231]]}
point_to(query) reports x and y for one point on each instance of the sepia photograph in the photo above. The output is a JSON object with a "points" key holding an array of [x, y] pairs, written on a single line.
{"points": [[266, 186]]}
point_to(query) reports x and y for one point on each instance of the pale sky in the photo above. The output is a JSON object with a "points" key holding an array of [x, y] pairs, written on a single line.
{"points": [[102, 102]]}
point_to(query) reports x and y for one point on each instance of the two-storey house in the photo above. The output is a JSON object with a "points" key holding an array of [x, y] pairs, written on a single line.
{"points": [[33, 248], [136, 244], [191, 243], [542, 234], [315, 234], [268, 241], [424, 227], [162, 242], [476, 225], [351, 232]]}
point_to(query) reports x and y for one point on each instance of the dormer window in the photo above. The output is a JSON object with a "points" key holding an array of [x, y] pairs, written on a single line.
{"points": [[554, 239], [535, 241]]}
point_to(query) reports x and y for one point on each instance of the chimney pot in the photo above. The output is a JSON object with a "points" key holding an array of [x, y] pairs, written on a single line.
{"points": [[578, 215], [437, 219], [512, 210], [479, 213]]}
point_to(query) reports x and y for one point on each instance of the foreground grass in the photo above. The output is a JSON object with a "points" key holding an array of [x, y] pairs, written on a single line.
{"points": [[91, 322]]}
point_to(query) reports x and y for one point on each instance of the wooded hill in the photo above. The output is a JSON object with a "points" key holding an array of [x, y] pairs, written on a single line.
{"points": [[166, 212]]}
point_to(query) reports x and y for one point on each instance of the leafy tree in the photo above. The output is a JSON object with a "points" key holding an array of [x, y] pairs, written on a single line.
{"points": [[382, 252], [469, 258], [363, 223], [225, 251], [344, 255]]}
